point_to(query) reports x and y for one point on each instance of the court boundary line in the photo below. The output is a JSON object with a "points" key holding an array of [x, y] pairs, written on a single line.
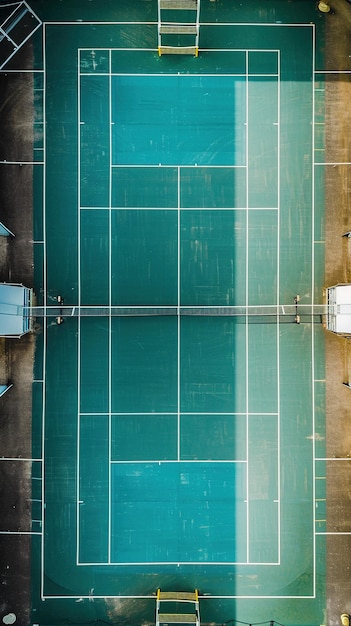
{"points": [[174, 413], [178, 309], [153, 597], [79, 301], [155, 23], [45, 285], [173, 209], [179, 564], [110, 121], [246, 123], [313, 392], [175, 460], [139, 75], [336, 163], [227, 596], [174, 166], [278, 307]]}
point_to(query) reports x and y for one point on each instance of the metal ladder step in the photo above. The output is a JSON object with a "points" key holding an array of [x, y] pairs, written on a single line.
{"points": [[185, 596], [177, 618], [178, 4], [177, 29], [178, 50]]}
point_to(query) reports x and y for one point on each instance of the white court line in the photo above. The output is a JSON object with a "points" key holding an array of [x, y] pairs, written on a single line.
{"points": [[175, 460], [336, 163], [313, 325], [79, 324], [178, 305], [333, 458], [278, 301], [332, 72], [174, 166], [174, 208], [179, 563], [175, 413], [180, 74], [205, 597], [42, 556], [246, 315], [110, 319], [154, 23], [101, 23], [277, 25], [245, 414], [105, 49]]}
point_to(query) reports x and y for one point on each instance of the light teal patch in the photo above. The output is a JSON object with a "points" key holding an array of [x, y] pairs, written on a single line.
{"points": [[263, 368], [178, 120]]}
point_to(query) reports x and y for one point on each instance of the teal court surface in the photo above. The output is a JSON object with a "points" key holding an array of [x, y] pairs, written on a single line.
{"points": [[176, 431]]}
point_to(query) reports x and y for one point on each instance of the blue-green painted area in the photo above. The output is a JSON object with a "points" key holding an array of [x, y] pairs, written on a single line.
{"points": [[153, 187], [93, 489], [296, 192], [208, 365], [94, 256], [217, 437], [226, 62], [181, 447], [190, 512], [213, 187], [94, 141], [142, 243], [263, 256], [94, 365], [262, 357], [144, 437], [156, 122], [94, 62], [213, 253], [260, 63], [263, 139], [144, 364], [263, 489]]}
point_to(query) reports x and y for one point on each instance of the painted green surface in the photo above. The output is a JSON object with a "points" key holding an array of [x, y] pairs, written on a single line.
{"points": [[168, 443]]}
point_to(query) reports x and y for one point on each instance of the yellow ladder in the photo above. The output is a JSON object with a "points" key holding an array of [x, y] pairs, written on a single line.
{"points": [[176, 597], [171, 29]]}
